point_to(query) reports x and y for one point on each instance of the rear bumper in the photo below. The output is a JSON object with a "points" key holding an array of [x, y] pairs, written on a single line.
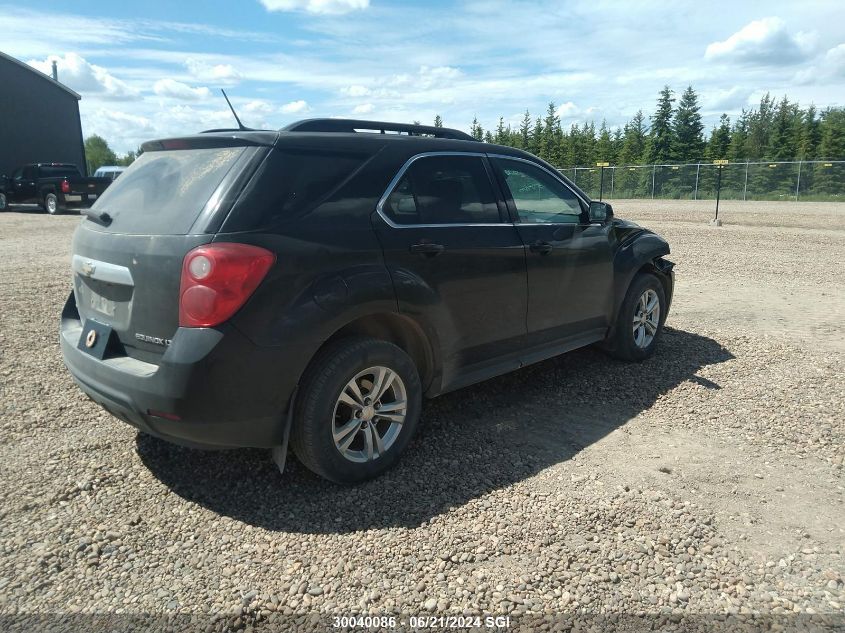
{"points": [[226, 392], [76, 201]]}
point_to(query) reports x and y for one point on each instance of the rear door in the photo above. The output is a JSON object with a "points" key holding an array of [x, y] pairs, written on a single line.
{"points": [[127, 270], [457, 263], [24, 183], [569, 263]]}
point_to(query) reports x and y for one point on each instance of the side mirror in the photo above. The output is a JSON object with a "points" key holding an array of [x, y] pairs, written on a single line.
{"points": [[600, 212]]}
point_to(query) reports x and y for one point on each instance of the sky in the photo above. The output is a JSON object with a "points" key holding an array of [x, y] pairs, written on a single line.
{"points": [[153, 69]]}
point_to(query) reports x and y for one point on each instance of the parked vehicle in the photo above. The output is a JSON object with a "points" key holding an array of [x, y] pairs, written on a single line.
{"points": [[236, 286], [109, 171], [55, 186]]}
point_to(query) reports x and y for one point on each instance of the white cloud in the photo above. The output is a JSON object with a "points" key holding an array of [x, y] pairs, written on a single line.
{"points": [[326, 7], [218, 73], [829, 68], [726, 100], [355, 91], [257, 106], [294, 107], [568, 110], [123, 131], [177, 90], [75, 72], [765, 42], [364, 108]]}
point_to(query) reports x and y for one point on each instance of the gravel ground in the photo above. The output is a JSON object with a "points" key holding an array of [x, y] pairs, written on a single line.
{"points": [[702, 484]]}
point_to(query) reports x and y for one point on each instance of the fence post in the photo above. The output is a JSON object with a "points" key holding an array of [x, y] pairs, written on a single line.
{"points": [[745, 187], [798, 184], [653, 169], [612, 172], [697, 169]]}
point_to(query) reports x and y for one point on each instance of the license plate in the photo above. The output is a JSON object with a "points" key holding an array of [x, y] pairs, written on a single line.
{"points": [[94, 339], [102, 305], [70, 198]]}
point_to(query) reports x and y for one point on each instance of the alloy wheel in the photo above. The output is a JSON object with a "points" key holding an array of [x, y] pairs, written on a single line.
{"points": [[369, 414], [646, 318]]}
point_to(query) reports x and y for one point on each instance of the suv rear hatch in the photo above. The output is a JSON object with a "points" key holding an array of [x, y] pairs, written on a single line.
{"points": [[128, 252]]}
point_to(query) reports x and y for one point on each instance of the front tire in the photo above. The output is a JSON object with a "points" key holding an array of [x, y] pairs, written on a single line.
{"points": [[357, 410], [51, 204], [640, 320], [4, 202]]}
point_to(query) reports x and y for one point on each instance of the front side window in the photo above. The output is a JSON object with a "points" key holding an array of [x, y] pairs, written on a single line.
{"points": [[539, 197], [443, 190]]}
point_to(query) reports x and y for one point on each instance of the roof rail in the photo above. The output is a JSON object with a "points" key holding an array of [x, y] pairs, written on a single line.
{"points": [[357, 125]]}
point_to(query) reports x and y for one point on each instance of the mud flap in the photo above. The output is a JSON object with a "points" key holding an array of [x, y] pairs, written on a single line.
{"points": [[280, 453]]}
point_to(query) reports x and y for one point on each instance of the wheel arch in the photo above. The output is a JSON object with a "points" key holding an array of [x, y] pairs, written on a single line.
{"points": [[402, 331]]}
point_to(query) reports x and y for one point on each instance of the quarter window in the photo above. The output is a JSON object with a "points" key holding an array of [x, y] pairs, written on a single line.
{"points": [[538, 196], [443, 190]]}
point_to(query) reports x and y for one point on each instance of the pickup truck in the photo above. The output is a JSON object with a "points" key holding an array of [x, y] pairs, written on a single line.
{"points": [[55, 186]]}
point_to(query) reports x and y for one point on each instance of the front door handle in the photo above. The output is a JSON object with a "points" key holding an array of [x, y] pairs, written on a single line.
{"points": [[544, 248], [427, 249]]}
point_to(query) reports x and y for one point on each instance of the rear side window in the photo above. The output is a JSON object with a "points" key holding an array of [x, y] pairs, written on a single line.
{"points": [[163, 192], [289, 184], [443, 190]]}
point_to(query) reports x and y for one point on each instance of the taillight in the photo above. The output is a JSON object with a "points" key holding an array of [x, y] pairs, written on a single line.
{"points": [[217, 279], [65, 186]]}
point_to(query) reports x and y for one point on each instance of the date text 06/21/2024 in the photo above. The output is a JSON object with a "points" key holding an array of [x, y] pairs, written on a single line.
{"points": [[422, 622]]}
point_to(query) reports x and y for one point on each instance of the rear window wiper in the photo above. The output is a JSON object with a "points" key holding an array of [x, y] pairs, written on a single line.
{"points": [[102, 218]]}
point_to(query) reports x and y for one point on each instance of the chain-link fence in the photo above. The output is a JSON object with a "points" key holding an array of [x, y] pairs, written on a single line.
{"points": [[789, 180]]}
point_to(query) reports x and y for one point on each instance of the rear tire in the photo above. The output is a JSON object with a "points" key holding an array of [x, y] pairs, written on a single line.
{"points": [[640, 320], [51, 204], [338, 431]]}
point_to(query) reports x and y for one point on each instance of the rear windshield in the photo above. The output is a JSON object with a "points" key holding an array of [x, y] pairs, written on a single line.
{"points": [[163, 192], [53, 171]]}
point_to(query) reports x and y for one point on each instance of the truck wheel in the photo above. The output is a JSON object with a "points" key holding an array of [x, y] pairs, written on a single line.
{"points": [[3, 201], [640, 320], [357, 410], [51, 204]]}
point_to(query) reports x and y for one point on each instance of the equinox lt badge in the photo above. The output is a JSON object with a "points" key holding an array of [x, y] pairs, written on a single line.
{"points": [[155, 340]]}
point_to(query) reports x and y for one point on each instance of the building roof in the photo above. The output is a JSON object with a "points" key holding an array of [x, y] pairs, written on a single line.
{"points": [[40, 74]]}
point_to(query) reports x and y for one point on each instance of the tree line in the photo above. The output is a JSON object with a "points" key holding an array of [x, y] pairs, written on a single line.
{"points": [[776, 130]]}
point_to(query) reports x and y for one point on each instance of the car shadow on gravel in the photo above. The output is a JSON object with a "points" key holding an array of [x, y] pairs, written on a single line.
{"points": [[469, 443]]}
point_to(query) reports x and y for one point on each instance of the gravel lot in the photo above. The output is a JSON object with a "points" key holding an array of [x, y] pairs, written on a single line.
{"points": [[704, 483]]}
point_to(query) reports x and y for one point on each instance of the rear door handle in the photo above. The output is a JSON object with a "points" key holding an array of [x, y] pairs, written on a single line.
{"points": [[428, 249], [544, 248]]}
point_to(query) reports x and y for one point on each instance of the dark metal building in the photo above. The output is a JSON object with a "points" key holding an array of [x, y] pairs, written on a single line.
{"points": [[39, 119]]}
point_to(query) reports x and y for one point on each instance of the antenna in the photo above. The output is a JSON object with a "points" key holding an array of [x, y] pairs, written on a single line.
{"points": [[234, 114]]}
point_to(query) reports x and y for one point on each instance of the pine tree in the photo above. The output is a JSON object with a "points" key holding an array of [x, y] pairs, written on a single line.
{"points": [[808, 143], [660, 137], [739, 137], [488, 138], [633, 140], [782, 136], [525, 132], [720, 139], [500, 137], [687, 143], [759, 128], [438, 122], [830, 180], [550, 139], [476, 130], [604, 145], [536, 137]]}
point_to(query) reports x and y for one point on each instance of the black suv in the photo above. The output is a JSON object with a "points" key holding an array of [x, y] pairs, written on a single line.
{"points": [[235, 288]]}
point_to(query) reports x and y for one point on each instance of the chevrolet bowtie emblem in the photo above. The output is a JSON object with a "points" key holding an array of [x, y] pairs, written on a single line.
{"points": [[88, 268], [91, 339]]}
